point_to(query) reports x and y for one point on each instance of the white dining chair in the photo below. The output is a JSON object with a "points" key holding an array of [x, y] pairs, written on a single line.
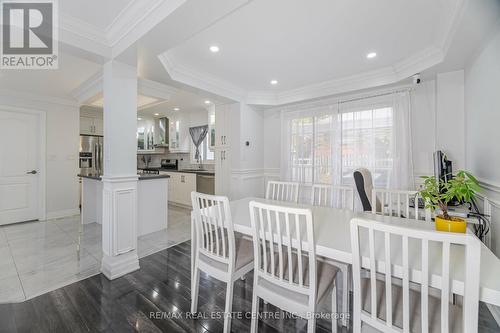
{"points": [[219, 253], [420, 256], [282, 191], [286, 273], [336, 197], [399, 203]]}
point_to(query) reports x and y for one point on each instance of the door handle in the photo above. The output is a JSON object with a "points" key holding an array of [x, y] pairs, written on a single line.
{"points": [[32, 172]]}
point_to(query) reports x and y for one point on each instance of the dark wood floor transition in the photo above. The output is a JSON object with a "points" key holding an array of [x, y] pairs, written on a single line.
{"points": [[153, 299]]}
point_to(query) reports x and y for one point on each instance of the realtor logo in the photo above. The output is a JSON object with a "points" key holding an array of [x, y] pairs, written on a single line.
{"points": [[29, 34]]}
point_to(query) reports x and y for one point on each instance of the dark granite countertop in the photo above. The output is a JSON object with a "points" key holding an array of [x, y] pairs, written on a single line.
{"points": [[141, 176], [201, 172]]}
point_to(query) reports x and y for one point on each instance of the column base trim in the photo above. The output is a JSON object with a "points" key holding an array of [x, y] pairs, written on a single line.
{"points": [[117, 266]]}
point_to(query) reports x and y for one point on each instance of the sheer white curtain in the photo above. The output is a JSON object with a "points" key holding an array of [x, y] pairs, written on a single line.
{"points": [[376, 134], [326, 143]]}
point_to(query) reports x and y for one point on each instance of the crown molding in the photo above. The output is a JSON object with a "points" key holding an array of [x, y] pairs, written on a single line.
{"points": [[136, 19], [93, 86], [155, 89], [450, 25], [83, 35], [83, 29], [388, 75], [426, 58], [133, 21], [199, 80], [6, 94], [89, 88]]}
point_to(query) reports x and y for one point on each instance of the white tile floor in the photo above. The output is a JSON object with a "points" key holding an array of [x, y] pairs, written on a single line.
{"points": [[37, 257]]}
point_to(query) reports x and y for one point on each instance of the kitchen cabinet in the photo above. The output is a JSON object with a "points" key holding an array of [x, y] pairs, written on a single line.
{"points": [[212, 141], [145, 135], [91, 125], [222, 171], [180, 187], [179, 138], [223, 125]]}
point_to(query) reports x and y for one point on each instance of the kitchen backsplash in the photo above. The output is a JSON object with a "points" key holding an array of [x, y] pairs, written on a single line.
{"points": [[184, 161]]}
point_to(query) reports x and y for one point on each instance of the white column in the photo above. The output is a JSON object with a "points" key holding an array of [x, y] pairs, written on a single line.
{"points": [[119, 220]]}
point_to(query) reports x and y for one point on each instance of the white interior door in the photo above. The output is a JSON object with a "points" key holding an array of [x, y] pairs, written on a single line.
{"points": [[19, 166]]}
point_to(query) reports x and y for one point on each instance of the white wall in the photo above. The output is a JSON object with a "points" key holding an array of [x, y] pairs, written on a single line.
{"points": [[450, 117], [61, 148], [482, 114], [247, 162]]}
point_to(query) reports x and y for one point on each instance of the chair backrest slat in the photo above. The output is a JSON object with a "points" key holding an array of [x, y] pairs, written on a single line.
{"points": [[336, 196], [282, 191], [214, 227], [406, 286], [445, 286], [373, 276], [424, 290], [398, 203], [374, 249], [279, 232], [388, 279]]}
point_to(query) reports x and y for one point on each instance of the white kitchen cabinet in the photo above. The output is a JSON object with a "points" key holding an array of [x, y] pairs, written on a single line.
{"points": [[222, 171], [91, 125], [223, 125], [180, 187], [179, 138], [212, 141], [99, 126]]}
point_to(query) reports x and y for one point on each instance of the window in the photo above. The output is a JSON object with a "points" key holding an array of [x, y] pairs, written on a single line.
{"points": [[367, 142], [207, 156], [326, 148]]}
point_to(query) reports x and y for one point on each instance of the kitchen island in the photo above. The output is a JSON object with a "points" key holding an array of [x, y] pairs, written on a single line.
{"points": [[152, 201]]}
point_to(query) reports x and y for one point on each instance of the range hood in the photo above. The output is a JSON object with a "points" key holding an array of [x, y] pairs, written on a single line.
{"points": [[161, 132]]}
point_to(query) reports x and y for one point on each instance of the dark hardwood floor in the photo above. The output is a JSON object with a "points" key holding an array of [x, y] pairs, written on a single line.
{"points": [[153, 299]]}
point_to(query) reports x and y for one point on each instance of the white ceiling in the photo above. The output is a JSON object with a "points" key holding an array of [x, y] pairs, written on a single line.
{"points": [[300, 43], [313, 48], [184, 100], [97, 13]]}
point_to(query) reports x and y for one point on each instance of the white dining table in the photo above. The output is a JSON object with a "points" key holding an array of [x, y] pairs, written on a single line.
{"points": [[333, 241]]}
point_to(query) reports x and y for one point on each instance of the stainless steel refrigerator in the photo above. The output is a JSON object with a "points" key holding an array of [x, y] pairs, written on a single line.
{"points": [[91, 154]]}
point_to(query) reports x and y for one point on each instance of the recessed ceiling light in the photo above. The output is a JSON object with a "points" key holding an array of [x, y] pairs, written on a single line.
{"points": [[139, 118], [371, 55], [274, 82], [157, 114], [214, 49], [207, 102], [176, 109]]}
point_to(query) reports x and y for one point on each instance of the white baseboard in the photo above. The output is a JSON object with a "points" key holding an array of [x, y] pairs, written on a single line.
{"points": [[62, 213], [495, 312]]}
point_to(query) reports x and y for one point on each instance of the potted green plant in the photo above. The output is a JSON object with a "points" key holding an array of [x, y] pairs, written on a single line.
{"points": [[439, 193]]}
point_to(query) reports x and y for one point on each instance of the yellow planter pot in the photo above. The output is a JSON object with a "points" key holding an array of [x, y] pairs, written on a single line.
{"points": [[456, 225]]}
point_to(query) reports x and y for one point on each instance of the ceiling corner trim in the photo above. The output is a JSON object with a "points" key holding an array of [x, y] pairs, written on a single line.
{"points": [[84, 36], [450, 26], [155, 89], [201, 80], [136, 20], [89, 89]]}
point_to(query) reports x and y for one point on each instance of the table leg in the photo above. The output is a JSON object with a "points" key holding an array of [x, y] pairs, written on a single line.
{"points": [[193, 247]]}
